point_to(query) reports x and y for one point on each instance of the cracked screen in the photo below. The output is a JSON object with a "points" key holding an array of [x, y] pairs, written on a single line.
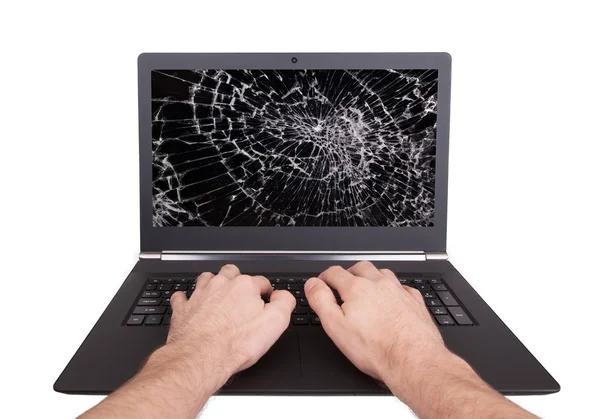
{"points": [[337, 148]]}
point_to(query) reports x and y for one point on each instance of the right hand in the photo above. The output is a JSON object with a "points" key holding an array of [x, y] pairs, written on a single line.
{"points": [[383, 327]]}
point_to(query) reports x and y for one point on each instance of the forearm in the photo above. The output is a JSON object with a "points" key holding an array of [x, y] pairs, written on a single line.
{"points": [[448, 387], [171, 384]]}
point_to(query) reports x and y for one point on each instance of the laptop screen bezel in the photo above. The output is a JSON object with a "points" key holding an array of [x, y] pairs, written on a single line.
{"points": [[429, 239]]}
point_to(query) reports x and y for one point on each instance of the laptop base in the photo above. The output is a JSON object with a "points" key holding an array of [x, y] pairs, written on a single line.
{"points": [[304, 360]]}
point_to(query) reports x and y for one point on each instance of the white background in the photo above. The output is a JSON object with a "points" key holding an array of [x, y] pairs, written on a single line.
{"points": [[524, 156]]}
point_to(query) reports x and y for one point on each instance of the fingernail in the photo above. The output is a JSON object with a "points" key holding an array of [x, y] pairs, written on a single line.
{"points": [[309, 284]]}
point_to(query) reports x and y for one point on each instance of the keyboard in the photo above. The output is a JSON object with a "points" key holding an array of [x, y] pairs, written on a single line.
{"points": [[152, 306]]}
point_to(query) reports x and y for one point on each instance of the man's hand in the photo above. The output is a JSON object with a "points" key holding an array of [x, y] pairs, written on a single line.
{"points": [[226, 318], [381, 324], [385, 329], [223, 328]]}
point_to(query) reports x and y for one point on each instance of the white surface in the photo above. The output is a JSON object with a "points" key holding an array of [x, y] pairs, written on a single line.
{"points": [[523, 211]]}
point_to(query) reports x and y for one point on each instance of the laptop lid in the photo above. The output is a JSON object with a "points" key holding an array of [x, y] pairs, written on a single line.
{"points": [[283, 152]]}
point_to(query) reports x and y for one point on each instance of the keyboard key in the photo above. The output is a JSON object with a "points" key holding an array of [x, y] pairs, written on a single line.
{"points": [[303, 301], [135, 320], [300, 310], [447, 298], [166, 294], [460, 316], [180, 287], [150, 287], [423, 287], [153, 319], [290, 287], [149, 302], [299, 319], [167, 320], [438, 310], [181, 281], [277, 281], [168, 281], [165, 287], [405, 281], [315, 320], [444, 320], [435, 281], [439, 287], [311, 311], [279, 286], [428, 294], [155, 281], [433, 303], [149, 310], [291, 281], [151, 294], [303, 280], [298, 294], [166, 301], [419, 281]]}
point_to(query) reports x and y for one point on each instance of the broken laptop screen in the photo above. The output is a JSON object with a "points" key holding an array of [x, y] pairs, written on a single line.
{"points": [[293, 148]]}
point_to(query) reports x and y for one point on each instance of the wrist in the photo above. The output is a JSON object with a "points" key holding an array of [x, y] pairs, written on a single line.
{"points": [[425, 372], [194, 370], [176, 379], [446, 386]]}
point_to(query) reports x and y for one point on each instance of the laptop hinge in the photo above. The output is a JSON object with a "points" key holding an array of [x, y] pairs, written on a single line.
{"points": [[293, 255], [149, 255], [436, 256]]}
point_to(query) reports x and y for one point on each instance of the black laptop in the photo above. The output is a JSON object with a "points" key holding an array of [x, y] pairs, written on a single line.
{"points": [[286, 164]]}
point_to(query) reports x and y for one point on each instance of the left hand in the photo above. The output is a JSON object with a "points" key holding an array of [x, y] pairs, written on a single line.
{"points": [[223, 328], [226, 323]]}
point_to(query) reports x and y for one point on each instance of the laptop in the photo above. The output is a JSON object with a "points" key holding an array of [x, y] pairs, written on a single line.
{"points": [[286, 164]]}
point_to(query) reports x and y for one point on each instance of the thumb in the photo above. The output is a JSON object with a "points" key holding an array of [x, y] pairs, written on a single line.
{"points": [[321, 299], [278, 310], [276, 318], [178, 300]]}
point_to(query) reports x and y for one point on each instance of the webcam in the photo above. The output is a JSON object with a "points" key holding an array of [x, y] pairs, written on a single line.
{"points": [[294, 60]]}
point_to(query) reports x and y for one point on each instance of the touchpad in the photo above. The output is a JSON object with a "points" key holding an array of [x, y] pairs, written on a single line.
{"points": [[282, 360], [324, 364]]}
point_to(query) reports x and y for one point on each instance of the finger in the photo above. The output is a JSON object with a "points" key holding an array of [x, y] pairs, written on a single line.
{"points": [[388, 273], [263, 284], [321, 299], [277, 314], [365, 269], [416, 294], [178, 300], [229, 271], [258, 283], [204, 278], [338, 278], [282, 300], [275, 319]]}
